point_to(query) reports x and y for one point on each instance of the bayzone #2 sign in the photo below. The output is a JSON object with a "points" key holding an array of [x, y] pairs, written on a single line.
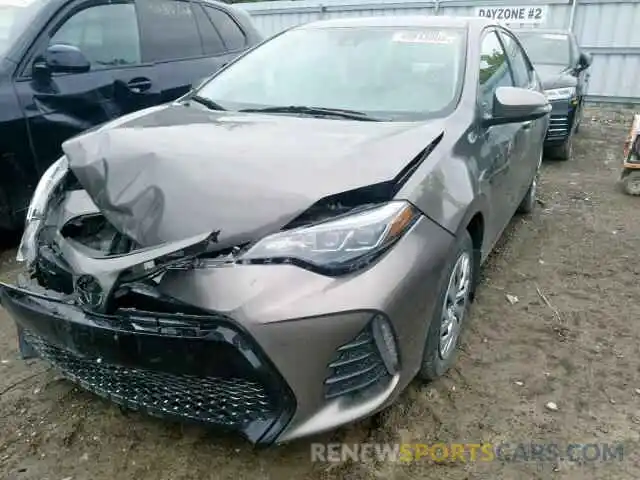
{"points": [[521, 14]]}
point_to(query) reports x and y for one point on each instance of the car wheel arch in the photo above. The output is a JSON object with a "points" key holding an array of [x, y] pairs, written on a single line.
{"points": [[474, 222]]}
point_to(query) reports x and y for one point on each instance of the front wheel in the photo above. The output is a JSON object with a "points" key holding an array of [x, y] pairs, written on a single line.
{"points": [[451, 310], [578, 120], [564, 151]]}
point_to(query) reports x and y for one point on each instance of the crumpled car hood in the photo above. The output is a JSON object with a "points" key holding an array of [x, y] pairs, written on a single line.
{"points": [[176, 171]]}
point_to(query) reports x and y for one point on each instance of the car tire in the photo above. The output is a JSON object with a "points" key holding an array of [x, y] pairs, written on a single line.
{"points": [[631, 183], [9, 226], [528, 203], [451, 310], [564, 151], [578, 121]]}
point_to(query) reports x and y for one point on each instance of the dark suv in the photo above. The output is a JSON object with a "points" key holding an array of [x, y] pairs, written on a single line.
{"points": [[562, 68], [67, 66]]}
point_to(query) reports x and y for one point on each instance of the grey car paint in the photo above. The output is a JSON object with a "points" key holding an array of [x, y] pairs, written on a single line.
{"points": [[145, 175], [462, 179], [130, 169]]}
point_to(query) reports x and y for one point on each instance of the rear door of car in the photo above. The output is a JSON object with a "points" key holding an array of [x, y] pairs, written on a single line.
{"points": [[179, 37], [60, 105], [529, 136]]}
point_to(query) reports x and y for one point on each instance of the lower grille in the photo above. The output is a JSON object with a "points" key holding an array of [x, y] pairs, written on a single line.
{"points": [[356, 367], [558, 127], [234, 403]]}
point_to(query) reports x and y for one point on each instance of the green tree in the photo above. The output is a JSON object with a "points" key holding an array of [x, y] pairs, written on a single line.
{"points": [[492, 63]]}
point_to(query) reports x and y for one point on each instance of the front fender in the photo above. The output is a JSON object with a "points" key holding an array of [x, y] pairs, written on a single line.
{"points": [[448, 187], [443, 186]]}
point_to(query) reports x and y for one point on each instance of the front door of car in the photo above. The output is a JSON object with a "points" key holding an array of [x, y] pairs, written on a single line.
{"points": [[496, 143], [527, 143], [179, 36], [59, 105]]}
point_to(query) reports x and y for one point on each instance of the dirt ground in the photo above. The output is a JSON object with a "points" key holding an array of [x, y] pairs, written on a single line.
{"points": [[575, 256]]}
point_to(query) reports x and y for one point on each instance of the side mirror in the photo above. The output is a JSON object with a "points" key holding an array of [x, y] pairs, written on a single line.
{"points": [[514, 105], [62, 58], [584, 61]]}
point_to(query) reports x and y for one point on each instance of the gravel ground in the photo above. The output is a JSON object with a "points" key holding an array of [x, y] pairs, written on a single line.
{"points": [[571, 339]]}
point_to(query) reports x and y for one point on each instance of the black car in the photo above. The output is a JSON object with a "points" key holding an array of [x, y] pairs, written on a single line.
{"points": [[67, 66], [563, 70]]}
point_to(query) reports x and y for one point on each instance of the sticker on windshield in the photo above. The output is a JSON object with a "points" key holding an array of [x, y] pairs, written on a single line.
{"points": [[429, 36], [554, 36], [15, 3]]}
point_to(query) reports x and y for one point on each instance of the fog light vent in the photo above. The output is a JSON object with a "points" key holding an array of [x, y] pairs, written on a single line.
{"points": [[386, 343], [364, 362]]}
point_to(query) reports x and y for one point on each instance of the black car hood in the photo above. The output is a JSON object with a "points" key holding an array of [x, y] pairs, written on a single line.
{"points": [[555, 76], [176, 171]]}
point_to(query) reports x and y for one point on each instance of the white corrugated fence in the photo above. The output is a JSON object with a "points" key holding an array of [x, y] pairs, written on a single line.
{"points": [[609, 29]]}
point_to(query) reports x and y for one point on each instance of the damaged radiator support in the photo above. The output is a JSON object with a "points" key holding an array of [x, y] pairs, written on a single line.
{"points": [[82, 254], [96, 266], [101, 268]]}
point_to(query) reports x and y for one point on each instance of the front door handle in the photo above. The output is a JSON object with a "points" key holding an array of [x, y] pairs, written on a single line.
{"points": [[139, 85], [527, 125]]}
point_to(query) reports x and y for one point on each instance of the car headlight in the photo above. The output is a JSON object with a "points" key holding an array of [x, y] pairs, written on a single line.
{"points": [[560, 93], [340, 244], [38, 207]]}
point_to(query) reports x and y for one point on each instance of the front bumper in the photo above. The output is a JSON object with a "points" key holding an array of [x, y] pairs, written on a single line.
{"points": [[196, 368], [277, 352], [561, 122]]}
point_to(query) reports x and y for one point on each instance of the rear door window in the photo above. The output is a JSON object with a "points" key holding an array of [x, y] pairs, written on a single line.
{"points": [[233, 37], [520, 67], [211, 39], [169, 30]]}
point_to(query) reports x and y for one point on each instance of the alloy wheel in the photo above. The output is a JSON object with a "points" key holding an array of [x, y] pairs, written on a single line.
{"points": [[455, 304]]}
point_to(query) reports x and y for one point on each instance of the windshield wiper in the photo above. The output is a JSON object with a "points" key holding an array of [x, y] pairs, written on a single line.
{"points": [[210, 104], [316, 111]]}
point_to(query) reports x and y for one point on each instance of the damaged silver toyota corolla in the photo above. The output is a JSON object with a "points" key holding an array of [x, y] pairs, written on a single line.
{"points": [[284, 249]]}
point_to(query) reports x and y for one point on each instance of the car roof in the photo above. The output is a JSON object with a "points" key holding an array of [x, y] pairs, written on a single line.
{"points": [[401, 21], [220, 3]]}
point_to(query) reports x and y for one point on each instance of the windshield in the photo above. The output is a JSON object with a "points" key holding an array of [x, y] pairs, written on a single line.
{"points": [[385, 73], [14, 16], [546, 48]]}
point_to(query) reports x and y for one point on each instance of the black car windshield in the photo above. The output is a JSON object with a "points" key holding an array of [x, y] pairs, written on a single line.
{"points": [[15, 15], [546, 48], [383, 73]]}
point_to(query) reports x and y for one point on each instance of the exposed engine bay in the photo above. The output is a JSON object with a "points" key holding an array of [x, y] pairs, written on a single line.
{"points": [[117, 273], [86, 244]]}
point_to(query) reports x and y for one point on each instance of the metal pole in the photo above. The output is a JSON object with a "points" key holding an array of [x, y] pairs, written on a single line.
{"points": [[572, 16]]}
